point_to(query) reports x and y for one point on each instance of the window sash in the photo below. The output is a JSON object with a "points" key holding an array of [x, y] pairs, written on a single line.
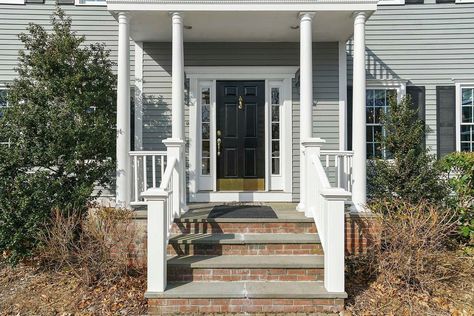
{"points": [[466, 130]]}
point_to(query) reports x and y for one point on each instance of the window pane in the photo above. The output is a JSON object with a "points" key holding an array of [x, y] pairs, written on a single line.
{"points": [[205, 131], [378, 150], [467, 114], [466, 147], [3, 98], [206, 166], [275, 113], [205, 149], [467, 96], [370, 97], [275, 96], [370, 134], [370, 115], [377, 131], [465, 133], [275, 166], [205, 113], [370, 151], [275, 131], [377, 114], [379, 98], [276, 148]]}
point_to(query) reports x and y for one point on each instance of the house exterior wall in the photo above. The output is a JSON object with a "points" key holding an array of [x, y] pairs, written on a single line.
{"points": [[94, 22], [157, 86], [426, 44]]}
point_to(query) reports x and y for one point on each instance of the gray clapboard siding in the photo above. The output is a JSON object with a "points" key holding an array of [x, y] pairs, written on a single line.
{"points": [[157, 86], [94, 22], [427, 44]]}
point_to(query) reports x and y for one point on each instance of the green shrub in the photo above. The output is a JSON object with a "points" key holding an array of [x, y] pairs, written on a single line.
{"points": [[459, 168], [411, 173], [61, 124]]}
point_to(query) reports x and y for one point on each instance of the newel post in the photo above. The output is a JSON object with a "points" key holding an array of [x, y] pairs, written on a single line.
{"points": [[175, 149], [311, 148], [157, 234], [334, 239]]}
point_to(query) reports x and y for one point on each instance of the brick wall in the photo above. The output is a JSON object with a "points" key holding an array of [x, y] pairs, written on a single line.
{"points": [[362, 232]]}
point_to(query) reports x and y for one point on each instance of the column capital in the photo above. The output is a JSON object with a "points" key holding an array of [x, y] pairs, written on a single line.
{"points": [[123, 17], [306, 16], [176, 16], [359, 17]]}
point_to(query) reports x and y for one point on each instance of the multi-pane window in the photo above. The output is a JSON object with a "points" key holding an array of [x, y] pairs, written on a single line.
{"points": [[275, 127], [3, 100], [467, 119], [377, 102], [205, 131]]}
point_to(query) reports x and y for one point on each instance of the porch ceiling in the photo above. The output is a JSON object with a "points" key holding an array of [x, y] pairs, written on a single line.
{"points": [[240, 26]]}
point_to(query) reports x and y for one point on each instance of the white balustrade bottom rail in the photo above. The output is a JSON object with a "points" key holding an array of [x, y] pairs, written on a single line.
{"points": [[338, 167], [326, 205], [148, 168]]}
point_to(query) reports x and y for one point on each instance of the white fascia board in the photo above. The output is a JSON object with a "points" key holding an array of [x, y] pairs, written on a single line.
{"points": [[12, 1], [223, 6]]}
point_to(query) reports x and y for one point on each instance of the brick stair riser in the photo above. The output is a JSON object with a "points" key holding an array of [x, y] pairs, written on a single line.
{"points": [[244, 249], [229, 228], [187, 274], [252, 305]]}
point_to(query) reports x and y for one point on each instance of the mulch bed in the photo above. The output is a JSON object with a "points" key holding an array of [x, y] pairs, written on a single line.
{"points": [[27, 290]]}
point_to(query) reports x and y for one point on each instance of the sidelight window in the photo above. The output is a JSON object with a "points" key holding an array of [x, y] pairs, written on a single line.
{"points": [[275, 130], [206, 131]]}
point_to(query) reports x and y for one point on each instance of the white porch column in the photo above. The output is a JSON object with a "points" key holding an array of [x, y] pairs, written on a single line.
{"points": [[177, 103], [306, 95], [358, 117], [123, 184], [177, 80]]}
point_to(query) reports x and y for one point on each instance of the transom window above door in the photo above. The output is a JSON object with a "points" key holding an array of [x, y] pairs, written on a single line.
{"points": [[467, 119]]}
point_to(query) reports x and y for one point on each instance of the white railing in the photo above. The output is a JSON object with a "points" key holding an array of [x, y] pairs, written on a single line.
{"points": [[338, 165], [164, 203], [326, 203], [148, 168]]}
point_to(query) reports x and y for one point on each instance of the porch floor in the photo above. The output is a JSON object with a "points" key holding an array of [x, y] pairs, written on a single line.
{"points": [[285, 212]]}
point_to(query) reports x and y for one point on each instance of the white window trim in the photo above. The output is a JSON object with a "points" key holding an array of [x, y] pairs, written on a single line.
{"points": [[282, 75], [12, 1], [8, 143], [459, 87], [89, 3], [464, 1]]}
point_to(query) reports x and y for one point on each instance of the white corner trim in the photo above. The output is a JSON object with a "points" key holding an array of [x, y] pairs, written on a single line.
{"points": [[12, 1], [138, 133], [342, 96], [459, 87]]}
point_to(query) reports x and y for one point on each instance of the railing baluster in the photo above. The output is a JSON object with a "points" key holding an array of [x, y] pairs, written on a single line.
{"points": [[145, 180], [153, 161], [135, 176], [162, 166]]}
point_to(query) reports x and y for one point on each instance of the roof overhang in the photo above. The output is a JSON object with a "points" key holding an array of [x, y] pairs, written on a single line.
{"points": [[240, 20]]}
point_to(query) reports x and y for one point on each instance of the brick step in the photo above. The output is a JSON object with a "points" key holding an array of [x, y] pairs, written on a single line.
{"points": [[245, 244], [245, 268], [224, 226], [245, 297]]}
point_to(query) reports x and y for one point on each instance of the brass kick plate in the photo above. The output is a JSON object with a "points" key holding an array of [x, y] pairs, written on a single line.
{"points": [[240, 184]]}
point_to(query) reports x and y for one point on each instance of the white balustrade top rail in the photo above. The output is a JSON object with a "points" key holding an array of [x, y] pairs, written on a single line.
{"points": [[148, 168]]}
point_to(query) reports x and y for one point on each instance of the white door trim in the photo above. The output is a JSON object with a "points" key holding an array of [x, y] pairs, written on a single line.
{"points": [[208, 76]]}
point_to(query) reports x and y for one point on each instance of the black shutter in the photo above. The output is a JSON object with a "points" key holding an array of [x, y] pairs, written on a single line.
{"points": [[446, 119], [65, 1], [349, 117], [417, 95]]}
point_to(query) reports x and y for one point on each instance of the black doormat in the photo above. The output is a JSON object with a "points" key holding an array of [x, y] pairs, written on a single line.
{"points": [[242, 211]]}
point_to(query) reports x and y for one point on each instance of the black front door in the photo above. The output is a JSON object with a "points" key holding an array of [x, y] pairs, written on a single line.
{"points": [[240, 135]]}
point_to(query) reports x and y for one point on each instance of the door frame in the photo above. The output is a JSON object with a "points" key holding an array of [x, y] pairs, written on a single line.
{"points": [[202, 188]]}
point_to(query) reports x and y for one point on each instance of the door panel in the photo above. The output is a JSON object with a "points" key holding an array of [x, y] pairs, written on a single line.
{"points": [[241, 135]]}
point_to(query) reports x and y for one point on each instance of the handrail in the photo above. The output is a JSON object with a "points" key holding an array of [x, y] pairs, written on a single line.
{"points": [[325, 204], [147, 153], [168, 174]]}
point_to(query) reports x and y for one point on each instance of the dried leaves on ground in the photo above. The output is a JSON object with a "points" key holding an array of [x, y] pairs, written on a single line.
{"points": [[27, 290]]}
